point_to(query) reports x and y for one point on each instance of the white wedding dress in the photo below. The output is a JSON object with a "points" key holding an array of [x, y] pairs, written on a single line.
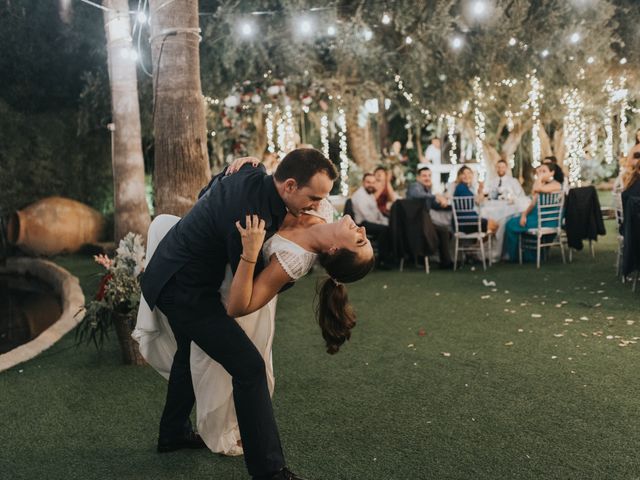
{"points": [[215, 411]]}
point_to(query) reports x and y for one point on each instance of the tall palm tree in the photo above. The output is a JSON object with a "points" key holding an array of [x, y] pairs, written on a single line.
{"points": [[181, 157], [131, 210]]}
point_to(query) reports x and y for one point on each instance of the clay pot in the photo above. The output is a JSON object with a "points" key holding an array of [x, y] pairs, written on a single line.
{"points": [[130, 352], [54, 225]]}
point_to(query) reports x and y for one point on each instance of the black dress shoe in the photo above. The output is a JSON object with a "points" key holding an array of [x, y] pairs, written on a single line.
{"points": [[188, 440], [284, 474]]}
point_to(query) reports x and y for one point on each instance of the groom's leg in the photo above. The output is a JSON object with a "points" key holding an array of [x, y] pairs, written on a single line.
{"points": [[224, 340], [180, 395]]}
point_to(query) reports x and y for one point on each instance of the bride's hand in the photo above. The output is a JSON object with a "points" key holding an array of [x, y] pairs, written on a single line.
{"points": [[239, 162], [252, 237]]}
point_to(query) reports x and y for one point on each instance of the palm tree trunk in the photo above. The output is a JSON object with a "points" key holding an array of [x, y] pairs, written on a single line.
{"points": [[362, 143], [131, 210], [181, 157]]}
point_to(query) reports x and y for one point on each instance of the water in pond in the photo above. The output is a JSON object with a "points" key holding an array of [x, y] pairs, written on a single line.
{"points": [[28, 306]]}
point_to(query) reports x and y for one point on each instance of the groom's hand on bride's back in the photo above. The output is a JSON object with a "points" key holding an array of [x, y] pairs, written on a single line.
{"points": [[238, 163]]}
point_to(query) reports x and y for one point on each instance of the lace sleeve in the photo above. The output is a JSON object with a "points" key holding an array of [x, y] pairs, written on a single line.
{"points": [[295, 264]]}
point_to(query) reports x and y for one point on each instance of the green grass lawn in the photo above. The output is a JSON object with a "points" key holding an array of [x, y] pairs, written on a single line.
{"points": [[500, 386]]}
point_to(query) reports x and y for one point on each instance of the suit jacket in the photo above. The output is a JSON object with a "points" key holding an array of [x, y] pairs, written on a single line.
{"points": [[198, 248], [631, 229], [583, 216], [412, 230]]}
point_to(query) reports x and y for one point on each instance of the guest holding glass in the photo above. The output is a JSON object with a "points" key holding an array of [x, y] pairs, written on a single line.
{"points": [[504, 185], [549, 179], [385, 194], [464, 188]]}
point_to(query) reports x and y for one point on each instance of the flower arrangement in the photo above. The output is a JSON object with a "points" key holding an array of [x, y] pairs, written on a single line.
{"points": [[116, 302]]}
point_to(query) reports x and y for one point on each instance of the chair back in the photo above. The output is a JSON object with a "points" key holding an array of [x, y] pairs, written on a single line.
{"points": [[465, 213], [617, 206], [550, 210]]}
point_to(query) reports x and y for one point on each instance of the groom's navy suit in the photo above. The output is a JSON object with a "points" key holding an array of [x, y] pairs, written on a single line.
{"points": [[183, 278]]}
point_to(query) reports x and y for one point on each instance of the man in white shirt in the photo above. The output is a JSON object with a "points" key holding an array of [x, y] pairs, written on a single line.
{"points": [[433, 153], [367, 214], [503, 184]]}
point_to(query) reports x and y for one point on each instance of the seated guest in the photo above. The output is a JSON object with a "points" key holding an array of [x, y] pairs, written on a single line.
{"points": [[549, 178], [385, 194], [503, 184], [368, 215], [422, 189], [632, 182], [463, 188], [565, 181]]}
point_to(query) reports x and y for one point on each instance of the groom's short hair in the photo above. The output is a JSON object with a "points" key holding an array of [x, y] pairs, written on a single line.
{"points": [[303, 163]]}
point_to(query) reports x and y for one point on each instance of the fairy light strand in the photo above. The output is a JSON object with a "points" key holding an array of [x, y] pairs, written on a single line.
{"points": [[344, 159], [535, 95], [608, 126], [479, 126], [575, 133], [324, 134], [271, 146], [451, 133]]}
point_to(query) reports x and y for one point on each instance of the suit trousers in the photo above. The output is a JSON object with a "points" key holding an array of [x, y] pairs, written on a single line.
{"points": [[220, 337]]}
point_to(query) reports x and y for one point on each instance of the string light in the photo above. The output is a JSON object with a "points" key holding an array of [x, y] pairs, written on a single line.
{"points": [[456, 43], [624, 106], [479, 124], [535, 95], [271, 146], [367, 34], [608, 127], [512, 42], [408, 40], [290, 132], [331, 30], [344, 159], [280, 131], [591, 60], [451, 134], [246, 29], [623, 61], [575, 37], [544, 53], [141, 17], [324, 134], [386, 19], [574, 133]]}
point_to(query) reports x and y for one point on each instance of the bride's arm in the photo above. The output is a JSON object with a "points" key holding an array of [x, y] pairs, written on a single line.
{"points": [[247, 295]]}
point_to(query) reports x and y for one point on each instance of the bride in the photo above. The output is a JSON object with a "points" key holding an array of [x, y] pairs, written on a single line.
{"points": [[341, 248]]}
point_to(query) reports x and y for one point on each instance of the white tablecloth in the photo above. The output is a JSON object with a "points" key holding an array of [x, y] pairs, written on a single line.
{"points": [[500, 211]]}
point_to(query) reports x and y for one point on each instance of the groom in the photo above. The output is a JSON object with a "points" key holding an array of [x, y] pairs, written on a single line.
{"points": [[182, 280]]}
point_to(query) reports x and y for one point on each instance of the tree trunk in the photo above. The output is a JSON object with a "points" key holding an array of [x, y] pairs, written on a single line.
{"points": [[383, 125], [131, 210], [361, 140], [181, 157]]}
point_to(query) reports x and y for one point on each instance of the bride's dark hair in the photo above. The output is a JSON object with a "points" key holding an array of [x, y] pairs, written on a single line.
{"points": [[333, 310]]}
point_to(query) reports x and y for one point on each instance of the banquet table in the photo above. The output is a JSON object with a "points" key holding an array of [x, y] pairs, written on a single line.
{"points": [[500, 211]]}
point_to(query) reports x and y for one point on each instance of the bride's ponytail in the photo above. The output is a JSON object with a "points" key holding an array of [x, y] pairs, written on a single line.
{"points": [[335, 314], [333, 310]]}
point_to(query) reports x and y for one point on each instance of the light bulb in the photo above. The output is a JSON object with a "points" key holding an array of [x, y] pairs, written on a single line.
{"points": [[575, 37], [544, 53], [512, 42], [386, 19], [331, 30], [141, 17], [408, 40]]}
